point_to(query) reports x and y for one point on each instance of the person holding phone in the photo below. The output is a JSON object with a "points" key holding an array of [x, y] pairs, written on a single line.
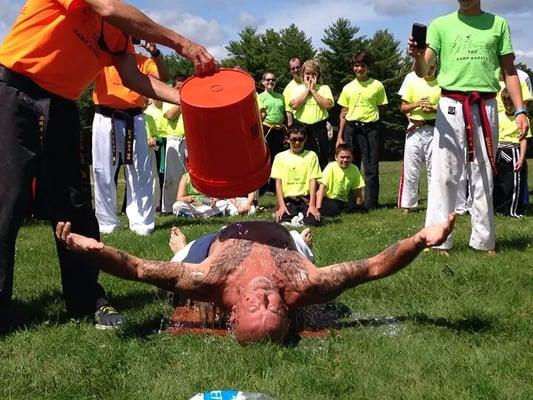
{"points": [[53, 51], [472, 45]]}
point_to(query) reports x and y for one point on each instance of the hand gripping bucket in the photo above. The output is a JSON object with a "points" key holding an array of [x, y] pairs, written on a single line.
{"points": [[227, 155]]}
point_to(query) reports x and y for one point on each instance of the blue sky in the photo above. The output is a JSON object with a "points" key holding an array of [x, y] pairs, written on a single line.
{"points": [[214, 23]]}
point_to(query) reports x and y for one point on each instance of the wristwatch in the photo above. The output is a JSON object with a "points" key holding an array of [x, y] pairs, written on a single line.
{"points": [[156, 53], [520, 110]]}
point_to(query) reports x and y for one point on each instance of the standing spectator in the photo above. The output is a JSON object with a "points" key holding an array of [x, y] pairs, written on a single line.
{"points": [[524, 77], [53, 51], [472, 46], [294, 66], [310, 102], [340, 186], [510, 182], [155, 110], [119, 132], [419, 103], [152, 136], [359, 123], [176, 149], [272, 108], [296, 172]]}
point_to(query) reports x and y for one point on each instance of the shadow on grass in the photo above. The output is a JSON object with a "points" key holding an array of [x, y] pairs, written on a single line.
{"points": [[515, 243], [470, 324]]}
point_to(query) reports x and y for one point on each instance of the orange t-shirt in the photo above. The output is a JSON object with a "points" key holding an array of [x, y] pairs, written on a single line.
{"points": [[55, 44], [110, 92]]}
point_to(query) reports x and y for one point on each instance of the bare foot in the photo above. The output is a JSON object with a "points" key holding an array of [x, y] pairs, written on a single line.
{"points": [[177, 240], [307, 237], [491, 253]]}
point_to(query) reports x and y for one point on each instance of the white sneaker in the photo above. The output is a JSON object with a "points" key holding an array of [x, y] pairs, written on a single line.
{"points": [[106, 230]]}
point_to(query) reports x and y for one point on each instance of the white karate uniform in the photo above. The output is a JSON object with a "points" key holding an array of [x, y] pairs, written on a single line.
{"points": [[450, 161], [176, 153], [139, 176], [417, 154]]}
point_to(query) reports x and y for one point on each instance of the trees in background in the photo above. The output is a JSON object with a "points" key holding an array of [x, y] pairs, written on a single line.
{"points": [[271, 50]]}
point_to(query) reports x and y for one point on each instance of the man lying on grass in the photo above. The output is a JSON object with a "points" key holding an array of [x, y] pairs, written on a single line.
{"points": [[256, 271]]}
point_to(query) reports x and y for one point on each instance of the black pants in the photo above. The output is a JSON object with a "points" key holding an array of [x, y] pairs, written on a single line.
{"points": [[275, 139], [333, 207], [364, 139], [509, 185], [297, 205], [40, 136], [317, 141]]}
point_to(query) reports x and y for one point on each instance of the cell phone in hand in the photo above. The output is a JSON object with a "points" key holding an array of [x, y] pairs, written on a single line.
{"points": [[419, 35]]}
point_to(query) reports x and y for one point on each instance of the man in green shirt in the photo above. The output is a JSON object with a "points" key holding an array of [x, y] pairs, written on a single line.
{"points": [[472, 46]]}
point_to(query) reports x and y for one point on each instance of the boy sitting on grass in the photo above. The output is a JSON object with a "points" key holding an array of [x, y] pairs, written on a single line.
{"points": [[340, 185], [296, 172]]}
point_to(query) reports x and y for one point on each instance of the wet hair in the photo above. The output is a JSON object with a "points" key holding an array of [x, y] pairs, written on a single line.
{"points": [[313, 64], [273, 333], [343, 147], [362, 57], [297, 128]]}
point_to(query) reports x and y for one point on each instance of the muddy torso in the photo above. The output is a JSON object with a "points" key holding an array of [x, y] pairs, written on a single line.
{"points": [[249, 249]]}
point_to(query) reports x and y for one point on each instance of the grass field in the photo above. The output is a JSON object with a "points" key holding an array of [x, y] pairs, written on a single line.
{"points": [[457, 327]]}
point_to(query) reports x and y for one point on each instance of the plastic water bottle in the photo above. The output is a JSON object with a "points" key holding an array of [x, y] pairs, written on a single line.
{"points": [[230, 395]]}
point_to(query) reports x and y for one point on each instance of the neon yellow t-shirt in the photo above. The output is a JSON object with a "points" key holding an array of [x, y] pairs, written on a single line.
{"points": [[287, 95], [310, 111], [469, 50], [340, 182], [295, 171], [173, 128], [418, 88], [525, 95], [507, 129], [150, 126], [157, 114], [362, 100]]}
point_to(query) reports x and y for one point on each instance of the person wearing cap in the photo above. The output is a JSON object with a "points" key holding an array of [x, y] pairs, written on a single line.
{"points": [[119, 134], [53, 51], [471, 45]]}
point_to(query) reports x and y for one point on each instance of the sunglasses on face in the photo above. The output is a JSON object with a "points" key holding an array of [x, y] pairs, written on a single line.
{"points": [[270, 80], [296, 140], [295, 68]]}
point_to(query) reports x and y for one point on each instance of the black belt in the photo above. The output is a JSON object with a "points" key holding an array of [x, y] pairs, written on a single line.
{"points": [[361, 124], [123, 115]]}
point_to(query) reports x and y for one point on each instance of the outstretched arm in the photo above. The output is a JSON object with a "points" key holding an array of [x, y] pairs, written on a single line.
{"points": [[333, 280], [190, 279]]}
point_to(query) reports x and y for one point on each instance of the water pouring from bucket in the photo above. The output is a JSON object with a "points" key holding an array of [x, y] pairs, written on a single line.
{"points": [[227, 154]]}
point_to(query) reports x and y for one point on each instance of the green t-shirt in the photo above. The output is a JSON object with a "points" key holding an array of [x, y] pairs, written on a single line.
{"points": [[340, 182], [310, 111], [362, 100], [173, 128], [469, 50], [295, 171], [274, 106], [417, 88]]}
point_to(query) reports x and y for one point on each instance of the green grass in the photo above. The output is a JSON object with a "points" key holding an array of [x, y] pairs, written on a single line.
{"points": [[463, 324]]}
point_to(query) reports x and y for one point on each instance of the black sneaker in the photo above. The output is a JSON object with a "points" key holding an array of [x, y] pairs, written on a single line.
{"points": [[107, 317]]}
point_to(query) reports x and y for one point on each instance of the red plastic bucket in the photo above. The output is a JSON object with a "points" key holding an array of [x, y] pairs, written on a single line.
{"points": [[227, 154]]}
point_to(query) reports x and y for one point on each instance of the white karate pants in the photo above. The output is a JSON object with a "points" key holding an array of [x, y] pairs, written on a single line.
{"points": [[176, 153]]}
